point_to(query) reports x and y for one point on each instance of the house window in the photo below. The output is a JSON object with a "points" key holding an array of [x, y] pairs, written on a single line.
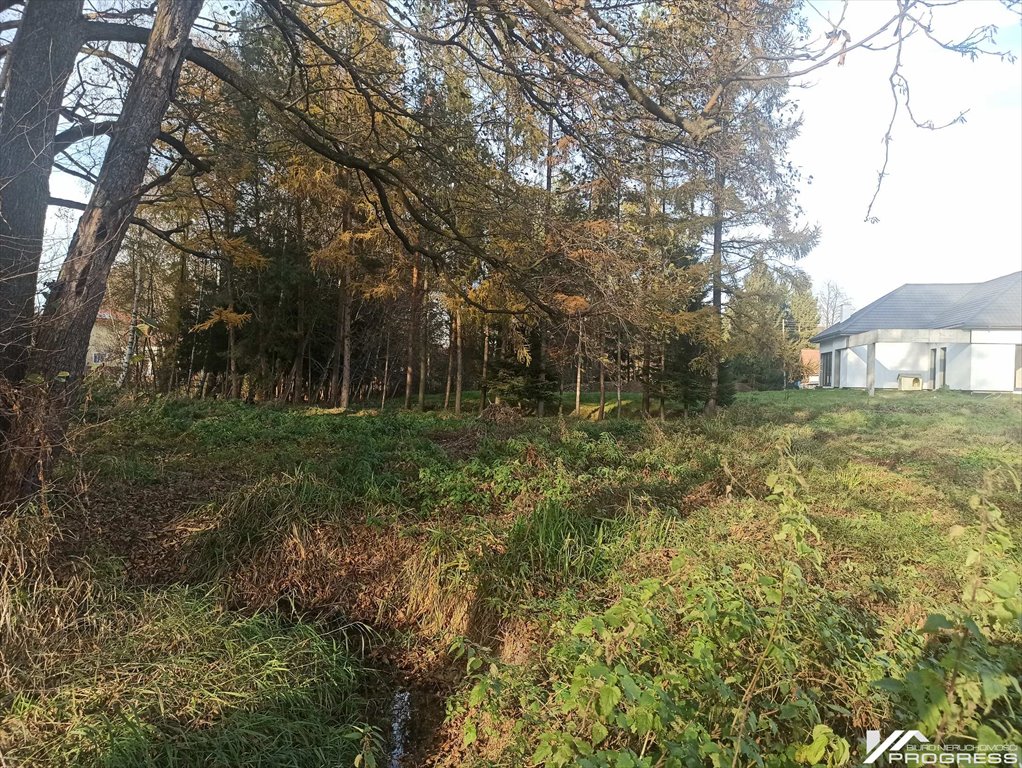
{"points": [[826, 368], [97, 358]]}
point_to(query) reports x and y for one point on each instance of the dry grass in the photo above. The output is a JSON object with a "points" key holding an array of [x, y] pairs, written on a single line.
{"points": [[94, 672]]}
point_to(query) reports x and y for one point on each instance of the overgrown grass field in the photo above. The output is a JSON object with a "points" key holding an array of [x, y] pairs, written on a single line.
{"points": [[215, 583]]}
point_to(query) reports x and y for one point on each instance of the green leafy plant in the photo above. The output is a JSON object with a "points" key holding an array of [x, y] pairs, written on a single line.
{"points": [[966, 682], [698, 667]]}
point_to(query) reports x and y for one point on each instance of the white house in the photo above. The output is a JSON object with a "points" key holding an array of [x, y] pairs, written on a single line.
{"points": [[929, 335]]}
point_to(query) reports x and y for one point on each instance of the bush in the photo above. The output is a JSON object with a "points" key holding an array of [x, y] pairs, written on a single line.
{"points": [[756, 665]]}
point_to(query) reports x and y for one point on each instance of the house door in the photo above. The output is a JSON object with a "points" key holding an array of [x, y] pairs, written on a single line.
{"points": [[942, 368], [933, 368], [1018, 366], [826, 369]]}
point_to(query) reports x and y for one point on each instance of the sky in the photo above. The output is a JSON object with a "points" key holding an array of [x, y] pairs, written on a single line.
{"points": [[950, 209]]}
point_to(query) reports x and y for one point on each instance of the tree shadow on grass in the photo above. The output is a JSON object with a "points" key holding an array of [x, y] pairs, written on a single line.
{"points": [[302, 727], [169, 678]]}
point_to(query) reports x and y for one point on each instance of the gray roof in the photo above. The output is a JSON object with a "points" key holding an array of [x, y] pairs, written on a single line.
{"points": [[995, 304]]}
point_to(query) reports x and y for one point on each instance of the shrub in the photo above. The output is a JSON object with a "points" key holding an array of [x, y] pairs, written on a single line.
{"points": [[759, 664]]}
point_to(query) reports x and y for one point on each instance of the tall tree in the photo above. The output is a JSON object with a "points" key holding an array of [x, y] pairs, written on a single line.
{"points": [[71, 309], [833, 303], [39, 64]]}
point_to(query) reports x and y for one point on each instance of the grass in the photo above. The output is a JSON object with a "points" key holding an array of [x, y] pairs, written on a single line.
{"points": [[217, 543], [98, 673]]}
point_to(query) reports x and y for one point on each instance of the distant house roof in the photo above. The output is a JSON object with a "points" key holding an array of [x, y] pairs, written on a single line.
{"points": [[810, 359], [995, 304]]}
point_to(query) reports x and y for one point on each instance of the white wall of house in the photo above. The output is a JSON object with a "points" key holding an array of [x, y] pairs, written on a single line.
{"points": [[997, 337], [894, 358], [982, 367], [853, 367], [993, 368], [994, 360], [831, 344], [959, 366]]}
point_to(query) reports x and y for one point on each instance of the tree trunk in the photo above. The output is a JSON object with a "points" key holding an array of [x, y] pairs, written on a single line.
{"points": [[326, 389], [234, 381], [339, 392], [150, 353], [365, 388], [423, 338], [540, 372], [413, 320], [386, 372], [195, 338], [169, 370], [450, 363], [560, 390], [663, 383], [63, 338], [337, 353], [646, 352], [617, 407], [308, 380], [80, 287], [716, 267], [129, 348], [204, 367], [346, 340], [486, 360], [301, 392], [603, 390], [294, 391], [40, 61], [458, 362], [578, 373]]}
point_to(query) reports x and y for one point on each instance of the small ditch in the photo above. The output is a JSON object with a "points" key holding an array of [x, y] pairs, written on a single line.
{"points": [[400, 715], [415, 734]]}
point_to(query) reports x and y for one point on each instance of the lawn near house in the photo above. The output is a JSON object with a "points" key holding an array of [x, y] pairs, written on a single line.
{"points": [[227, 584]]}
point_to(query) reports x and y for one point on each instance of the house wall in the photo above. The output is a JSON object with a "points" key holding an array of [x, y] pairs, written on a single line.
{"points": [[894, 358], [959, 366], [105, 344], [931, 336], [993, 368], [914, 358], [997, 337], [992, 360], [831, 344], [853, 367], [982, 367]]}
